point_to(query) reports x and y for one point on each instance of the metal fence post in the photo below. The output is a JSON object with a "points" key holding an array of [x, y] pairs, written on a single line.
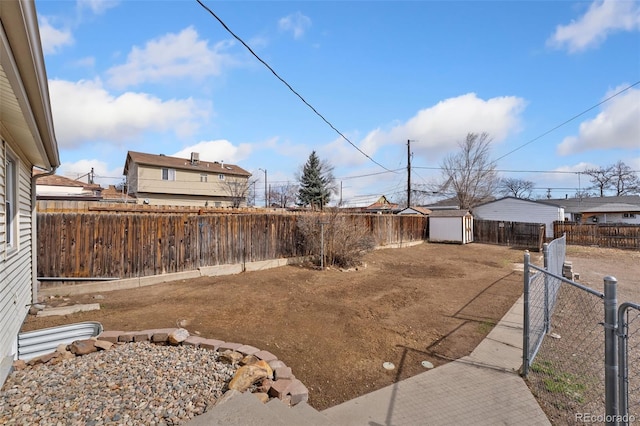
{"points": [[526, 319], [545, 251], [610, 349], [623, 377]]}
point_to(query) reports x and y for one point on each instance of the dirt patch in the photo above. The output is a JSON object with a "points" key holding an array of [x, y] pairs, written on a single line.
{"points": [[432, 302]]}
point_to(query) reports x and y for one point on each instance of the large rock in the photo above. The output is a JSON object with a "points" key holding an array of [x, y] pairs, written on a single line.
{"points": [[103, 344], [248, 375], [230, 357], [83, 347], [178, 336]]}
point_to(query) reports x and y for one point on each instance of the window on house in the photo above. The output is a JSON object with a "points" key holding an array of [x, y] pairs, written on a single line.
{"points": [[629, 215], [168, 174], [221, 177], [203, 177], [10, 205]]}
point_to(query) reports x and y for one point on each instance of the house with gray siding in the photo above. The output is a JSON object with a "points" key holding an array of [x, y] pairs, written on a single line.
{"points": [[622, 209], [27, 144], [513, 209]]}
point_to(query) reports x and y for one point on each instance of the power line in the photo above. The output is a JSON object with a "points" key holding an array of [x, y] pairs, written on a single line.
{"points": [[288, 85], [367, 175], [569, 120]]}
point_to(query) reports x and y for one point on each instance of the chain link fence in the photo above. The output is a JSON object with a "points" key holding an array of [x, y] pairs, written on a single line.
{"points": [[541, 292], [567, 374]]}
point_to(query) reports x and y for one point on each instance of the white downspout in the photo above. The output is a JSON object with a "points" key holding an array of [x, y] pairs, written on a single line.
{"points": [[34, 233]]}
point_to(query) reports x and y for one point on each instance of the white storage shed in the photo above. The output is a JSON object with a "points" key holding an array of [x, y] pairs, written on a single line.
{"points": [[450, 226], [513, 209]]}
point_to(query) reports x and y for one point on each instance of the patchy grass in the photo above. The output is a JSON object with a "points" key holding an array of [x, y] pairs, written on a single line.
{"points": [[559, 382], [486, 326]]}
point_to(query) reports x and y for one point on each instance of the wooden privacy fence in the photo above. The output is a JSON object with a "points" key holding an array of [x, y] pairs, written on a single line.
{"points": [[84, 245], [514, 234], [622, 236]]}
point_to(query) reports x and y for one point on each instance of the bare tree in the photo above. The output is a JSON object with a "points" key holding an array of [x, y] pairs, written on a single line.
{"points": [[519, 188], [471, 173], [624, 180], [238, 190], [601, 178], [284, 195]]}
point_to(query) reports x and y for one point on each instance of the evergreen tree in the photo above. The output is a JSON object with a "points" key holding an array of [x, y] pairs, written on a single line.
{"points": [[316, 183]]}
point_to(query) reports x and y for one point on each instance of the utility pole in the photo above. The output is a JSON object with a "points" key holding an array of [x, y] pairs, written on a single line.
{"points": [[266, 196], [408, 173]]}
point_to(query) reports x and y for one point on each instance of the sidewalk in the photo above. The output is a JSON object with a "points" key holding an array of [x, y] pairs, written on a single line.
{"points": [[483, 388]]}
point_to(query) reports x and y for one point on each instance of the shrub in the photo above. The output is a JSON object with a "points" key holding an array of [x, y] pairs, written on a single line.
{"points": [[345, 242]]}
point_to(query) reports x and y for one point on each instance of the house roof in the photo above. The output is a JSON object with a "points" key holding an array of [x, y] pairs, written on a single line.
{"points": [[614, 208], [519, 199], [183, 164], [112, 193], [24, 99], [57, 180], [579, 205], [383, 204], [415, 210], [449, 213]]}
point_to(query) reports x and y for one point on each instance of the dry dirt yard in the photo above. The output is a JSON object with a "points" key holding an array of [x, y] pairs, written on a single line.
{"points": [[334, 328]]}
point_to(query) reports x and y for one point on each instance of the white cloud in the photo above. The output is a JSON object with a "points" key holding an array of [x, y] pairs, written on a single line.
{"points": [[297, 23], [220, 150], [97, 6], [617, 126], [603, 18], [439, 128], [182, 55], [86, 62], [53, 39], [84, 111]]}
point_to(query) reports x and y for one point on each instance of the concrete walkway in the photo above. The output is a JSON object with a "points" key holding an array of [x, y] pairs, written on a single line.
{"points": [[483, 388]]}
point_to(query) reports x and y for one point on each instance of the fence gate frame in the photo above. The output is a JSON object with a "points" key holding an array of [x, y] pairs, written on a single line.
{"points": [[623, 360]]}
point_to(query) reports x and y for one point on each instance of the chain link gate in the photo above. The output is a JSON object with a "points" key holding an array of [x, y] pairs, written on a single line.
{"points": [[588, 348]]}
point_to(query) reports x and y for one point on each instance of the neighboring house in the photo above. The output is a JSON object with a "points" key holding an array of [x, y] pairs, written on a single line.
{"points": [[382, 205], [112, 194], [450, 226], [619, 209], [55, 187], [27, 141], [164, 180], [451, 203], [513, 209], [421, 211]]}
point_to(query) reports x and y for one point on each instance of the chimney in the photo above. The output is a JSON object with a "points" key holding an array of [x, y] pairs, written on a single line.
{"points": [[222, 164], [195, 158]]}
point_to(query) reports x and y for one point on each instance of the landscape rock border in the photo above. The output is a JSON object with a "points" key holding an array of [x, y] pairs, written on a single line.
{"points": [[277, 381]]}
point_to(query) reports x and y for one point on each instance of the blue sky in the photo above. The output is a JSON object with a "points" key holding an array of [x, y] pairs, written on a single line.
{"points": [[166, 77]]}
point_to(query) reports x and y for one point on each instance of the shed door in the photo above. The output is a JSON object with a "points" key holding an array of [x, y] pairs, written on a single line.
{"points": [[467, 223]]}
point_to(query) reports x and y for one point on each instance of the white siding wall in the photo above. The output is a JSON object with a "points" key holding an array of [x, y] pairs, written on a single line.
{"points": [[15, 268], [515, 210], [445, 229]]}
